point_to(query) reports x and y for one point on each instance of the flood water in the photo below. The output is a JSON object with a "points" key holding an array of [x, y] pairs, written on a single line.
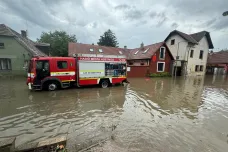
{"points": [[159, 115]]}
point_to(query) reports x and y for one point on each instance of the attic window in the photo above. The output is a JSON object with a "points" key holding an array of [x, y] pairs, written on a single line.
{"points": [[100, 50], [146, 50], [120, 52], [172, 41], [91, 50], [136, 52]]}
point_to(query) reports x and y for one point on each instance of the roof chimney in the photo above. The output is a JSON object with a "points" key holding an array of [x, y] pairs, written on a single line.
{"points": [[142, 46], [125, 47], [92, 43], [24, 33]]}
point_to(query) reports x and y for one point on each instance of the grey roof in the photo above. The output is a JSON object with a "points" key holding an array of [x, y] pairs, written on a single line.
{"points": [[187, 37], [198, 36], [193, 38], [25, 42]]}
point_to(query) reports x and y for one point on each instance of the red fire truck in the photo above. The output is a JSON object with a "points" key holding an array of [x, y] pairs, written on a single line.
{"points": [[53, 73]]}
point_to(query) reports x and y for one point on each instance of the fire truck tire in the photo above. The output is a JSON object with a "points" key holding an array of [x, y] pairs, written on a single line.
{"points": [[52, 85], [104, 83]]}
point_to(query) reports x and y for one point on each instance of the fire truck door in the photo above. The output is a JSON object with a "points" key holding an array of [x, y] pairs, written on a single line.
{"points": [[42, 70]]}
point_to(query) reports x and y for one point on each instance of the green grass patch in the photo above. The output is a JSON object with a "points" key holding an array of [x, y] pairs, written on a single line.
{"points": [[162, 74]]}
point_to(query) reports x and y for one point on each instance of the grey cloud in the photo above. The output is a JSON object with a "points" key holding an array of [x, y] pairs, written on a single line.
{"points": [[130, 12], [221, 24], [174, 25], [152, 14], [134, 14], [34, 13], [204, 9], [88, 20], [162, 19], [122, 7]]}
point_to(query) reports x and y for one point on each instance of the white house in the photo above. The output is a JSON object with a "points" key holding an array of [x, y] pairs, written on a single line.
{"points": [[190, 51]]}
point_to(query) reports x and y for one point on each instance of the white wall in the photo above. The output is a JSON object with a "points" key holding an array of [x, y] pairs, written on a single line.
{"points": [[179, 41], [203, 45]]}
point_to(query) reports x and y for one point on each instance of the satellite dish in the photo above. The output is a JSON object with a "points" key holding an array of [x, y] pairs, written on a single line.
{"points": [[225, 13]]}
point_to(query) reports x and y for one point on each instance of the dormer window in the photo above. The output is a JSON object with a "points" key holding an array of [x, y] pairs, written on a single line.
{"points": [[91, 50], [100, 50], [146, 50], [162, 53], [136, 52]]}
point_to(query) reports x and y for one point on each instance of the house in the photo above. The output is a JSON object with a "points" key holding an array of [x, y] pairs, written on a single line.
{"points": [[217, 62], [154, 58], [16, 50], [190, 51]]}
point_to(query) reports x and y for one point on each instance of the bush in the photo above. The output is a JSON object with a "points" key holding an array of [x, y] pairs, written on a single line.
{"points": [[162, 74]]}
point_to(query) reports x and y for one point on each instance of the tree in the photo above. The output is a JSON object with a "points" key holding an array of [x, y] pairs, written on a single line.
{"points": [[58, 41], [108, 39]]}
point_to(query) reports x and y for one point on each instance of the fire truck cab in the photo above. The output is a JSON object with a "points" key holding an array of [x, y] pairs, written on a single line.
{"points": [[51, 73]]}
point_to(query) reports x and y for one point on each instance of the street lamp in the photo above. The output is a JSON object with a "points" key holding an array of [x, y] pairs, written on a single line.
{"points": [[225, 13]]}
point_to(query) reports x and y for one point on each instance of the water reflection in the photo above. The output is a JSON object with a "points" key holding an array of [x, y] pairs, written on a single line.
{"points": [[159, 114]]}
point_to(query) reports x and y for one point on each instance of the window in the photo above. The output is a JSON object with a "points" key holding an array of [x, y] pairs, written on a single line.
{"points": [[62, 64], [5, 64], [100, 50], [196, 68], [136, 52], [201, 68], [201, 54], [160, 66], [91, 50], [162, 53], [130, 63], [2, 45], [191, 53], [173, 42], [146, 50]]}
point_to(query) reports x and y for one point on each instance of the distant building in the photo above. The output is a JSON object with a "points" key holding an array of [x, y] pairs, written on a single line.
{"points": [[217, 62], [16, 50], [190, 51], [141, 61]]}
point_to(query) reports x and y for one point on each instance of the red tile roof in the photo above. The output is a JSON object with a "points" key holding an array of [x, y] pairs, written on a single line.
{"points": [[133, 54], [218, 58], [78, 48]]}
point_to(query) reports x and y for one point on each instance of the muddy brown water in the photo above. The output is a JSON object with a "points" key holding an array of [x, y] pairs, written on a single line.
{"points": [[159, 114]]}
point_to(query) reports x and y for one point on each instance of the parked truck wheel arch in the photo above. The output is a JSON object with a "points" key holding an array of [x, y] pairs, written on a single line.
{"points": [[104, 83], [52, 84]]}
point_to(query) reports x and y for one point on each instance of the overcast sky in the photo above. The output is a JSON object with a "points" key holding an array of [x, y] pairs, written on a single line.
{"points": [[133, 21]]}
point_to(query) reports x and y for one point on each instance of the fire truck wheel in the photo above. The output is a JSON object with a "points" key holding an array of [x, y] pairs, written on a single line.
{"points": [[52, 86], [104, 83]]}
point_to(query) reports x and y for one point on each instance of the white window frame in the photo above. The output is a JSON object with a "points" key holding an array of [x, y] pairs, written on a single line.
{"points": [[160, 53], [163, 67]]}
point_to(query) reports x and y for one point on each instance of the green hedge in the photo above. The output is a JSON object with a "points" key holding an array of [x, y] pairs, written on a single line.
{"points": [[162, 74]]}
